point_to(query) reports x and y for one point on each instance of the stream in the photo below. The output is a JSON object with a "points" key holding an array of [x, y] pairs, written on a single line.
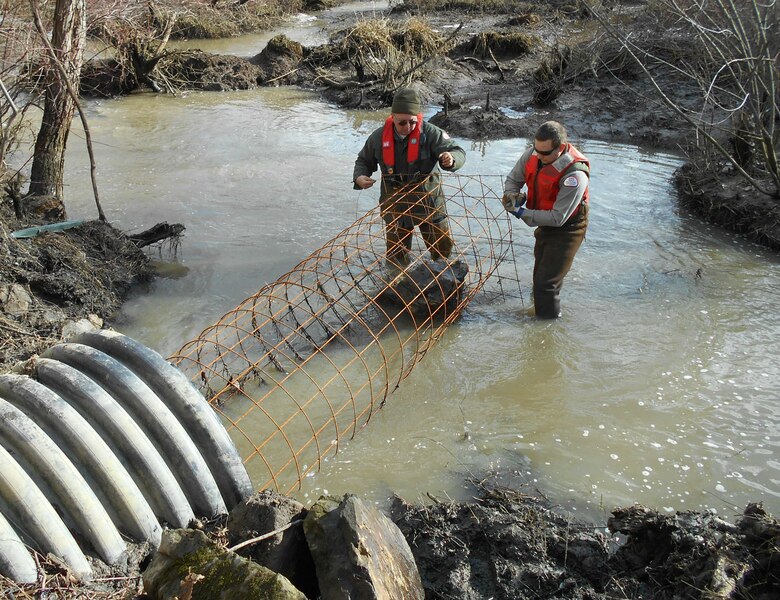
{"points": [[658, 385]]}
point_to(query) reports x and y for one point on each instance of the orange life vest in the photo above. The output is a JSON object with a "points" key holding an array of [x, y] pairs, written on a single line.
{"points": [[388, 143], [544, 183]]}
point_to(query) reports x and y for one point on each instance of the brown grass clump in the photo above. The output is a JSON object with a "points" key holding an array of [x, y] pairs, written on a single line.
{"points": [[369, 38], [194, 19], [202, 26], [505, 45], [525, 19], [416, 38], [281, 44], [390, 53]]}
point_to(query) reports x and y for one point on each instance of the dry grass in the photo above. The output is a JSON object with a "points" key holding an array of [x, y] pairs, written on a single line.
{"points": [[210, 23], [390, 52], [56, 581], [504, 45], [416, 39]]}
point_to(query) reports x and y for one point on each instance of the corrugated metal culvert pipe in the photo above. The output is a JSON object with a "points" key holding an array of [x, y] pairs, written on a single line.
{"points": [[107, 439]]}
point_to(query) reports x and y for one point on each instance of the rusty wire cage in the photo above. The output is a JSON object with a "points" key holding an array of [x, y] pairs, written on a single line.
{"points": [[306, 361]]}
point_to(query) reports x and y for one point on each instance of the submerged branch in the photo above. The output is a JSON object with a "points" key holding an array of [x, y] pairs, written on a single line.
{"points": [[158, 233]]}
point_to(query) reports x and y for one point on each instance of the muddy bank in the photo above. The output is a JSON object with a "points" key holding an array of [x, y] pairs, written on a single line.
{"points": [[511, 545], [50, 282], [495, 74], [728, 200]]}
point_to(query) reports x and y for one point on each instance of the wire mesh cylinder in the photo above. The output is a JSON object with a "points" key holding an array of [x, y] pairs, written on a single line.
{"points": [[304, 363]]}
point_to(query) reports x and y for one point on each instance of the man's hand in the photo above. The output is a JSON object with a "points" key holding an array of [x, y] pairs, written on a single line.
{"points": [[513, 201], [446, 160], [364, 182]]}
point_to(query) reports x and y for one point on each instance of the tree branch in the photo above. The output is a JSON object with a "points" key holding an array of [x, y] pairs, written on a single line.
{"points": [[629, 47]]}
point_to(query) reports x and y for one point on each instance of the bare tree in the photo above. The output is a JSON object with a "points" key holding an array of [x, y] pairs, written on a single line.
{"points": [[68, 38], [731, 54]]}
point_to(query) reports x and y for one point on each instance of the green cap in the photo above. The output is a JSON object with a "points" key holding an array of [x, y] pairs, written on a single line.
{"points": [[406, 102]]}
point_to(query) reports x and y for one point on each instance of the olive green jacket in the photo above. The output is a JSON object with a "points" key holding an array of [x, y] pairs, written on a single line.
{"points": [[433, 141]]}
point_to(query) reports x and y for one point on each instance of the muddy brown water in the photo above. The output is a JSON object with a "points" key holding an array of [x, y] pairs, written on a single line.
{"points": [[659, 385]]}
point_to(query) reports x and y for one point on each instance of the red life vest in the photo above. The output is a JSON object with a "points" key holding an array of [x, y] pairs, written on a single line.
{"points": [[388, 143], [544, 183]]}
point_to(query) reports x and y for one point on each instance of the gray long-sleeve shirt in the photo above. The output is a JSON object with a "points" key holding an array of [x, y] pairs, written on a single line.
{"points": [[569, 197]]}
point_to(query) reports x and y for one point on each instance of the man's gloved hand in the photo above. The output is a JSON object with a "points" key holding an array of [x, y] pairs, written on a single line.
{"points": [[513, 203]]}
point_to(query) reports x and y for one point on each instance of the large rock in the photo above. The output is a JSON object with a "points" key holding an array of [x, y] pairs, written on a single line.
{"points": [[189, 565], [73, 328], [286, 552], [360, 553], [14, 299]]}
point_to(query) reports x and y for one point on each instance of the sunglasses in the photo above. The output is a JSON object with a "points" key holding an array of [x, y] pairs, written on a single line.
{"points": [[544, 152], [404, 123]]}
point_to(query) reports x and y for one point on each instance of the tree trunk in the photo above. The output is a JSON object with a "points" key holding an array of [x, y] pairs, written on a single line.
{"points": [[68, 39]]}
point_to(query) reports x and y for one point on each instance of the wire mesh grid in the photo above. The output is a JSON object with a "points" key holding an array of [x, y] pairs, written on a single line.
{"points": [[305, 362]]}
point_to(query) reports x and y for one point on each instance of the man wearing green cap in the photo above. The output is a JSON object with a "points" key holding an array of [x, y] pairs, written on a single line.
{"points": [[408, 152]]}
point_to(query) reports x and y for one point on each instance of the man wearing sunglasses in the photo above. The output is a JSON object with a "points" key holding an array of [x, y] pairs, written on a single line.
{"points": [[556, 176], [409, 154]]}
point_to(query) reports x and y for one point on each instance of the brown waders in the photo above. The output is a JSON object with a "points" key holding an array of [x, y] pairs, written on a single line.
{"points": [[401, 216], [553, 255]]}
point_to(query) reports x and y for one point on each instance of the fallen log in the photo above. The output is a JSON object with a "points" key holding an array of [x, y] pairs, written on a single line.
{"points": [[158, 233]]}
